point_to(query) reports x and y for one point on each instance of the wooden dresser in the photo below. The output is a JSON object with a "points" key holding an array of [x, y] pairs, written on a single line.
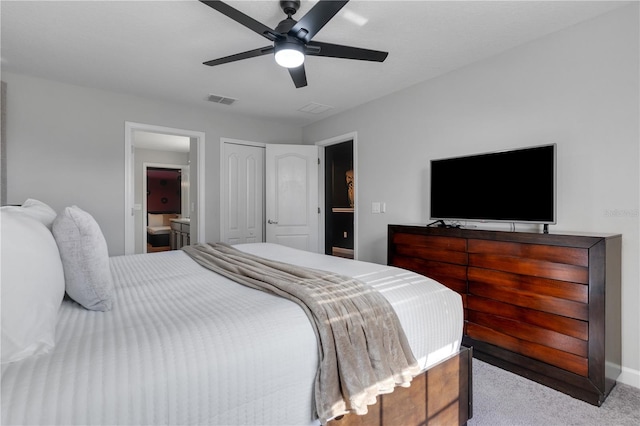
{"points": [[544, 306]]}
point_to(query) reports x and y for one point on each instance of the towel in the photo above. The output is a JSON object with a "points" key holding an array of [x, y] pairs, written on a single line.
{"points": [[363, 351]]}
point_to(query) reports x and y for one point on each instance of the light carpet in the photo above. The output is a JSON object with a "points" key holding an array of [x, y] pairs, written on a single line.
{"points": [[504, 398]]}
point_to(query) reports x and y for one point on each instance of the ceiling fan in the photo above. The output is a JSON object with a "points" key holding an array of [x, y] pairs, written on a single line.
{"points": [[292, 39]]}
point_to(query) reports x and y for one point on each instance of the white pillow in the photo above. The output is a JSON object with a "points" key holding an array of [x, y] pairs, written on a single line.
{"points": [[32, 286], [37, 210], [40, 211], [85, 259]]}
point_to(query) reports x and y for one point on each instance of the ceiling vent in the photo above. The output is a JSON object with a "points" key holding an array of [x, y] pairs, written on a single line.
{"points": [[224, 100], [314, 108]]}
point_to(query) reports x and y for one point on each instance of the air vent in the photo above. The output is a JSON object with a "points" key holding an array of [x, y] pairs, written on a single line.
{"points": [[314, 108], [221, 99]]}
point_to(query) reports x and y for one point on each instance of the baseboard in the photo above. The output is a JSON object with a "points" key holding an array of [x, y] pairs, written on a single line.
{"points": [[630, 377]]}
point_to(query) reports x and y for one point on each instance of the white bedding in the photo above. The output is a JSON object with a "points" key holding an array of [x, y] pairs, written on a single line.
{"points": [[158, 230], [185, 346]]}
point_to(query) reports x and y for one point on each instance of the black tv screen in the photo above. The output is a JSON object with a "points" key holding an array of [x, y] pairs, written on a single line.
{"points": [[508, 186]]}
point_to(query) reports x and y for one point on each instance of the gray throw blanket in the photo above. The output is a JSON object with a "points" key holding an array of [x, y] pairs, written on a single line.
{"points": [[363, 350]]}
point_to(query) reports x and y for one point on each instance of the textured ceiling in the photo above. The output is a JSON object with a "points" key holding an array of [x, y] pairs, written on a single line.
{"points": [[156, 49]]}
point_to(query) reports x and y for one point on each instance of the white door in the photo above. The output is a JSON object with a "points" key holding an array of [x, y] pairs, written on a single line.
{"points": [[242, 193], [292, 196]]}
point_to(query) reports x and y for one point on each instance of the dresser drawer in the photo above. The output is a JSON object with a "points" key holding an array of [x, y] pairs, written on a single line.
{"points": [[451, 275], [576, 292], [433, 253], [568, 326], [547, 253], [441, 258], [543, 303], [558, 263], [436, 242], [566, 361]]}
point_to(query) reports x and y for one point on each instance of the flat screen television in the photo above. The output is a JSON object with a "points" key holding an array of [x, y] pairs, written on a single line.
{"points": [[516, 185]]}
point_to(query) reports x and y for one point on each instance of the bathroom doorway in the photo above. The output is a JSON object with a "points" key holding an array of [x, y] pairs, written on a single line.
{"points": [[156, 145], [165, 205]]}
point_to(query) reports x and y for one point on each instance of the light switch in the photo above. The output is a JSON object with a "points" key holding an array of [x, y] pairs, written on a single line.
{"points": [[375, 207]]}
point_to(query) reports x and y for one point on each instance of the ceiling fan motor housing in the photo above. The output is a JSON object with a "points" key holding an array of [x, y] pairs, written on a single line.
{"points": [[290, 7], [285, 25]]}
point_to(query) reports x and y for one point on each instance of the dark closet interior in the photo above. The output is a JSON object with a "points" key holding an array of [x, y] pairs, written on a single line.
{"points": [[339, 201]]}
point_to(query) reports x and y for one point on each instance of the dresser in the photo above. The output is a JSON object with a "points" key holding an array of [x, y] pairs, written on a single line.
{"points": [[544, 306]]}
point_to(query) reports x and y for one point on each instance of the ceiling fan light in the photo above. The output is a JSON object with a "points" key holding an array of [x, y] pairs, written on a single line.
{"points": [[289, 56]]}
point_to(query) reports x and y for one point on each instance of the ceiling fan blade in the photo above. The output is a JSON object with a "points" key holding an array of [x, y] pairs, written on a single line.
{"points": [[239, 56], [309, 25], [345, 52], [299, 76], [243, 19]]}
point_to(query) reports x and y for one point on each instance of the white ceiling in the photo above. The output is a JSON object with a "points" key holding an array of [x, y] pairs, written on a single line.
{"points": [[155, 49]]}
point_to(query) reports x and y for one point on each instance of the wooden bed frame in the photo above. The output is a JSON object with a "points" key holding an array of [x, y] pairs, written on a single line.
{"points": [[441, 395]]}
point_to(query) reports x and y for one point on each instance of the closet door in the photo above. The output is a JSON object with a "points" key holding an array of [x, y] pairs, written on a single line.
{"points": [[292, 196], [242, 193]]}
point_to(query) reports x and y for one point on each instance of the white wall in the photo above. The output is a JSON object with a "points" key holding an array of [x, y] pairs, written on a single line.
{"points": [[578, 88], [65, 145]]}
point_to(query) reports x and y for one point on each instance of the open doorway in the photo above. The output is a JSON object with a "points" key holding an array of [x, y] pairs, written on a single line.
{"points": [[339, 199], [161, 147], [339, 195], [161, 157], [165, 207]]}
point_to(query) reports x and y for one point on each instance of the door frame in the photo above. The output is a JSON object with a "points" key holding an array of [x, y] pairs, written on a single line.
{"points": [[129, 193], [352, 136], [223, 171], [145, 166]]}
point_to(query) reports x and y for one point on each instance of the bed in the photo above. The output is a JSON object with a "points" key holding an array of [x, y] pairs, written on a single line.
{"points": [[159, 229], [179, 344]]}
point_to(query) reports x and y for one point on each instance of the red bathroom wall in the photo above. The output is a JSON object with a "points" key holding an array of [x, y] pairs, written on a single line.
{"points": [[163, 191]]}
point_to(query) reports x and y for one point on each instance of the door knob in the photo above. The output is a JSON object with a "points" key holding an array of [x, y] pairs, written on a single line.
{"points": [[272, 222]]}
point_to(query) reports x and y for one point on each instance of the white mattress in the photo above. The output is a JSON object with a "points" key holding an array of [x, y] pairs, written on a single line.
{"points": [[185, 346]]}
